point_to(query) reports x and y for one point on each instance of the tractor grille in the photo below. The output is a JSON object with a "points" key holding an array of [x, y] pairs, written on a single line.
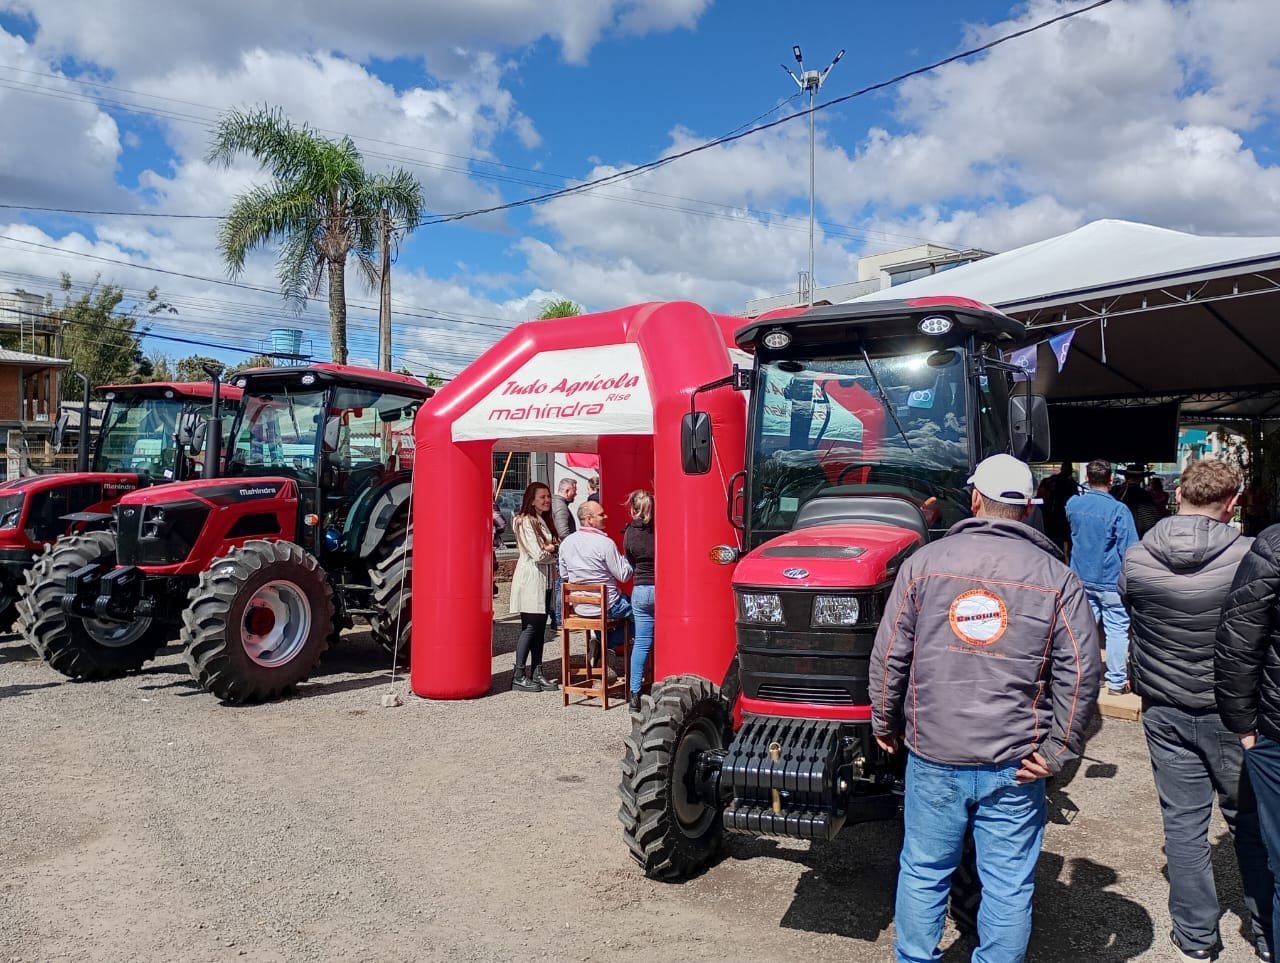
{"points": [[159, 534], [813, 694]]}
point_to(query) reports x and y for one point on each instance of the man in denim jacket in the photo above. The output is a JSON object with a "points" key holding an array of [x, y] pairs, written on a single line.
{"points": [[1102, 530]]}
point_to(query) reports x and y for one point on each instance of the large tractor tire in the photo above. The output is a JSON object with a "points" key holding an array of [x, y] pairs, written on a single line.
{"points": [[392, 578], [260, 617], [81, 648], [671, 832]]}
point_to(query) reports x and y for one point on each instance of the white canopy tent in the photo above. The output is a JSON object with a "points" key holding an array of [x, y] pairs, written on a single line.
{"points": [[1159, 315]]}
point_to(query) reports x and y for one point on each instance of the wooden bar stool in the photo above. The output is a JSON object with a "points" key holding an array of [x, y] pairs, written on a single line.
{"points": [[584, 680]]}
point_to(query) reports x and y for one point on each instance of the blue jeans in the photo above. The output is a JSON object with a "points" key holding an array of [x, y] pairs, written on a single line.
{"points": [[557, 602], [1193, 759], [1263, 763], [642, 644], [1108, 609], [942, 802], [619, 609]]}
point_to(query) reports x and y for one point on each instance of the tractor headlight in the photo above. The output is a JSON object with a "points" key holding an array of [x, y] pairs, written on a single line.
{"points": [[11, 509], [835, 610], [760, 608]]}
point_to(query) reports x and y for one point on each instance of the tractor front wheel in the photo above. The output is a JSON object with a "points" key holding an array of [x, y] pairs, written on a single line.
{"points": [[258, 621], [392, 579], [81, 648], [672, 829]]}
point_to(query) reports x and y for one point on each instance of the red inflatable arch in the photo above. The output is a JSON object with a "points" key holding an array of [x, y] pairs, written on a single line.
{"points": [[617, 384]]}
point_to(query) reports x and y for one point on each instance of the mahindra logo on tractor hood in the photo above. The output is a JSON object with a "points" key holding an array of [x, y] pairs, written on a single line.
{"points": [[795, 573]]}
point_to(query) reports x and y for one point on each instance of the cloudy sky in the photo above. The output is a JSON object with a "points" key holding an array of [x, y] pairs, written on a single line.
{"points": [[1151, 110]]}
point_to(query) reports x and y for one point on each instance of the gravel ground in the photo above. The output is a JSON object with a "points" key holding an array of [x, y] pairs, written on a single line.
{"points": [[143, 821]]}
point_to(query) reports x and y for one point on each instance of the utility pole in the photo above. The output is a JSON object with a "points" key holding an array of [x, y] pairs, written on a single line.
{"points": [[384, 303], [811, 80]]}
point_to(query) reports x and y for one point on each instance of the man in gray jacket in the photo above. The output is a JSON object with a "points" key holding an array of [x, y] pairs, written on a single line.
{"points": [[564, 525], [1174, 583], [986, 665]]}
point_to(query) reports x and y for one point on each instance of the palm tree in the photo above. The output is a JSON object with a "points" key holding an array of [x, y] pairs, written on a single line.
{"points": [[562, 308], [321, 207]]}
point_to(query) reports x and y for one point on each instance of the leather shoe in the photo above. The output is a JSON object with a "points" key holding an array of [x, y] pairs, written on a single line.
{"points": [[635, 702], [1191, 956], [522, 684], [544, 683], [1264, 953]]}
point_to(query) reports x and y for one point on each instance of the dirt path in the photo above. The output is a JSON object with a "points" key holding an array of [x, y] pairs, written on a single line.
{"points": [[143, 821]]}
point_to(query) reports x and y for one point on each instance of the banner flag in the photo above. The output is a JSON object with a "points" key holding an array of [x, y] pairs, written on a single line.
{"points": [[1024, 358], [1061, 345]]}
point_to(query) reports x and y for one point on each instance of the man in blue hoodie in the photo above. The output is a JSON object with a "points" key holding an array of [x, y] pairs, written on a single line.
{"points": [[1102, 530]]}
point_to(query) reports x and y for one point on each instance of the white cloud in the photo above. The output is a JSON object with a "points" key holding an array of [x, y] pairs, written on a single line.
{"points": [[137, 37]]}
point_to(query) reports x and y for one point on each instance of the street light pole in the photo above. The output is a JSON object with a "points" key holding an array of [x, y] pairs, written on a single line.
{"points": [[811, 80]]}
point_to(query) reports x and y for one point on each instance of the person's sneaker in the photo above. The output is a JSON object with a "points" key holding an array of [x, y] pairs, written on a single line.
{"points": [[544, 683], [1122, 691], [1191, 956], [522, 684], [1263, 951]]}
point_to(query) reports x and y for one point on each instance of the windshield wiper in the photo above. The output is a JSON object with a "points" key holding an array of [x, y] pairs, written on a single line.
{"points": [[884, 397]]}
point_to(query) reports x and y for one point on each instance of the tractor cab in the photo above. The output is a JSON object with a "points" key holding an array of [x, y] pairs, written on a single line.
{"points": [[865, 422]]}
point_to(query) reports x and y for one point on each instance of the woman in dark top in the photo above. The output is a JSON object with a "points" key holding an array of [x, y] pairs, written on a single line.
{"points": [[637, 544]]}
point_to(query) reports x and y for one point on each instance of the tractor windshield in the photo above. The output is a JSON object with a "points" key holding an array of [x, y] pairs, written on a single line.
{"points": [[138, 436], [277, 433], [840, 427]]}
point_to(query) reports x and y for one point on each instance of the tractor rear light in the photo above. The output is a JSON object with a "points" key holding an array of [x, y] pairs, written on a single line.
{"points": [[311, 521], [760, 608], [835, 610], [723, 554]]}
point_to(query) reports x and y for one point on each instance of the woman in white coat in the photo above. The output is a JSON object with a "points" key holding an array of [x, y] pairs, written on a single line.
{"points": [[531, 586]]}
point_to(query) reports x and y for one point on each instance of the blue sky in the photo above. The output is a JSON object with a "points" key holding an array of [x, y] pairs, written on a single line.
{"points": [[1152, 110]]}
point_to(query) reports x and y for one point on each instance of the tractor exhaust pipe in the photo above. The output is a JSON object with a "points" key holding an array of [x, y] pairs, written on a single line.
{"points": [[82, 443], [213, 444]]}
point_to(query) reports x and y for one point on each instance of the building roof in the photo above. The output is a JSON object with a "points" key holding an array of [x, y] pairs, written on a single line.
{"points": [[24, 360]]}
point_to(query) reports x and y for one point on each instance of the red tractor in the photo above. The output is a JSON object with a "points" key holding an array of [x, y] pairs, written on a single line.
{"points": [[259, 569], [865, 423], [144, 440]]}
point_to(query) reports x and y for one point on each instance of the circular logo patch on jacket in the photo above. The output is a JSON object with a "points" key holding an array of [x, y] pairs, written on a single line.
{"points": [[978, 617]]}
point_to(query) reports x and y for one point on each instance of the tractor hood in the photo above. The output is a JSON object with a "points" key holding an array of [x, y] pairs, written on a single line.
{"points": [[837, 556], [215, 491], [111, 482]]}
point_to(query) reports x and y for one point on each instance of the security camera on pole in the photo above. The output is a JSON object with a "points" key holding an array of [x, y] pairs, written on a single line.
{"points": [[811, 80]]}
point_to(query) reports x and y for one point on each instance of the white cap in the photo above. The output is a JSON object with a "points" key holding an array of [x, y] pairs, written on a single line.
{"points": [[1003, 478]]}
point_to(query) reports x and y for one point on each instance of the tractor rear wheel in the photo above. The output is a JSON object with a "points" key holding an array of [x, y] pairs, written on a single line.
{"points": [[392, 578], [81, 648], [258, 621], [672, 830]]}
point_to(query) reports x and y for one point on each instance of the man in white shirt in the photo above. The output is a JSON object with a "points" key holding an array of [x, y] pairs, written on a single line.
{"points": [[589, 555]]}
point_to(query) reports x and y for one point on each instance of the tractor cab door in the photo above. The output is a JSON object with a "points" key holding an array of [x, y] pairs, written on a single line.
{"points": [[362, 451]]}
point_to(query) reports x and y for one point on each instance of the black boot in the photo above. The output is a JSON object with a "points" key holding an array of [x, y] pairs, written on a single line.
{"points": [[521, 683], [543, 681], [635, 702]]}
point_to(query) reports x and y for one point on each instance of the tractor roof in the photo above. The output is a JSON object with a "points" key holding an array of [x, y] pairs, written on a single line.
{"points": [[339, 374], [893, 324], [179, 389]]}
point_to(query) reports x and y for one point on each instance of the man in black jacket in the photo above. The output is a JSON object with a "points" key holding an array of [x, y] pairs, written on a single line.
{"points": [[1173, 583], [1247, 681]]}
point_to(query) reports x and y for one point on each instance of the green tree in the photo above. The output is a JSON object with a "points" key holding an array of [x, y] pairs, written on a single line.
{"points": [[101, 339], [191, 368], [253, 361], [560, 308], [321, 207]]}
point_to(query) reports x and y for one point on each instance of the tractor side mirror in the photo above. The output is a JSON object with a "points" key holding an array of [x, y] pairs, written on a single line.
{"points": [[1029, 428], [59, 431], [695, 443], [196, 445]]}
